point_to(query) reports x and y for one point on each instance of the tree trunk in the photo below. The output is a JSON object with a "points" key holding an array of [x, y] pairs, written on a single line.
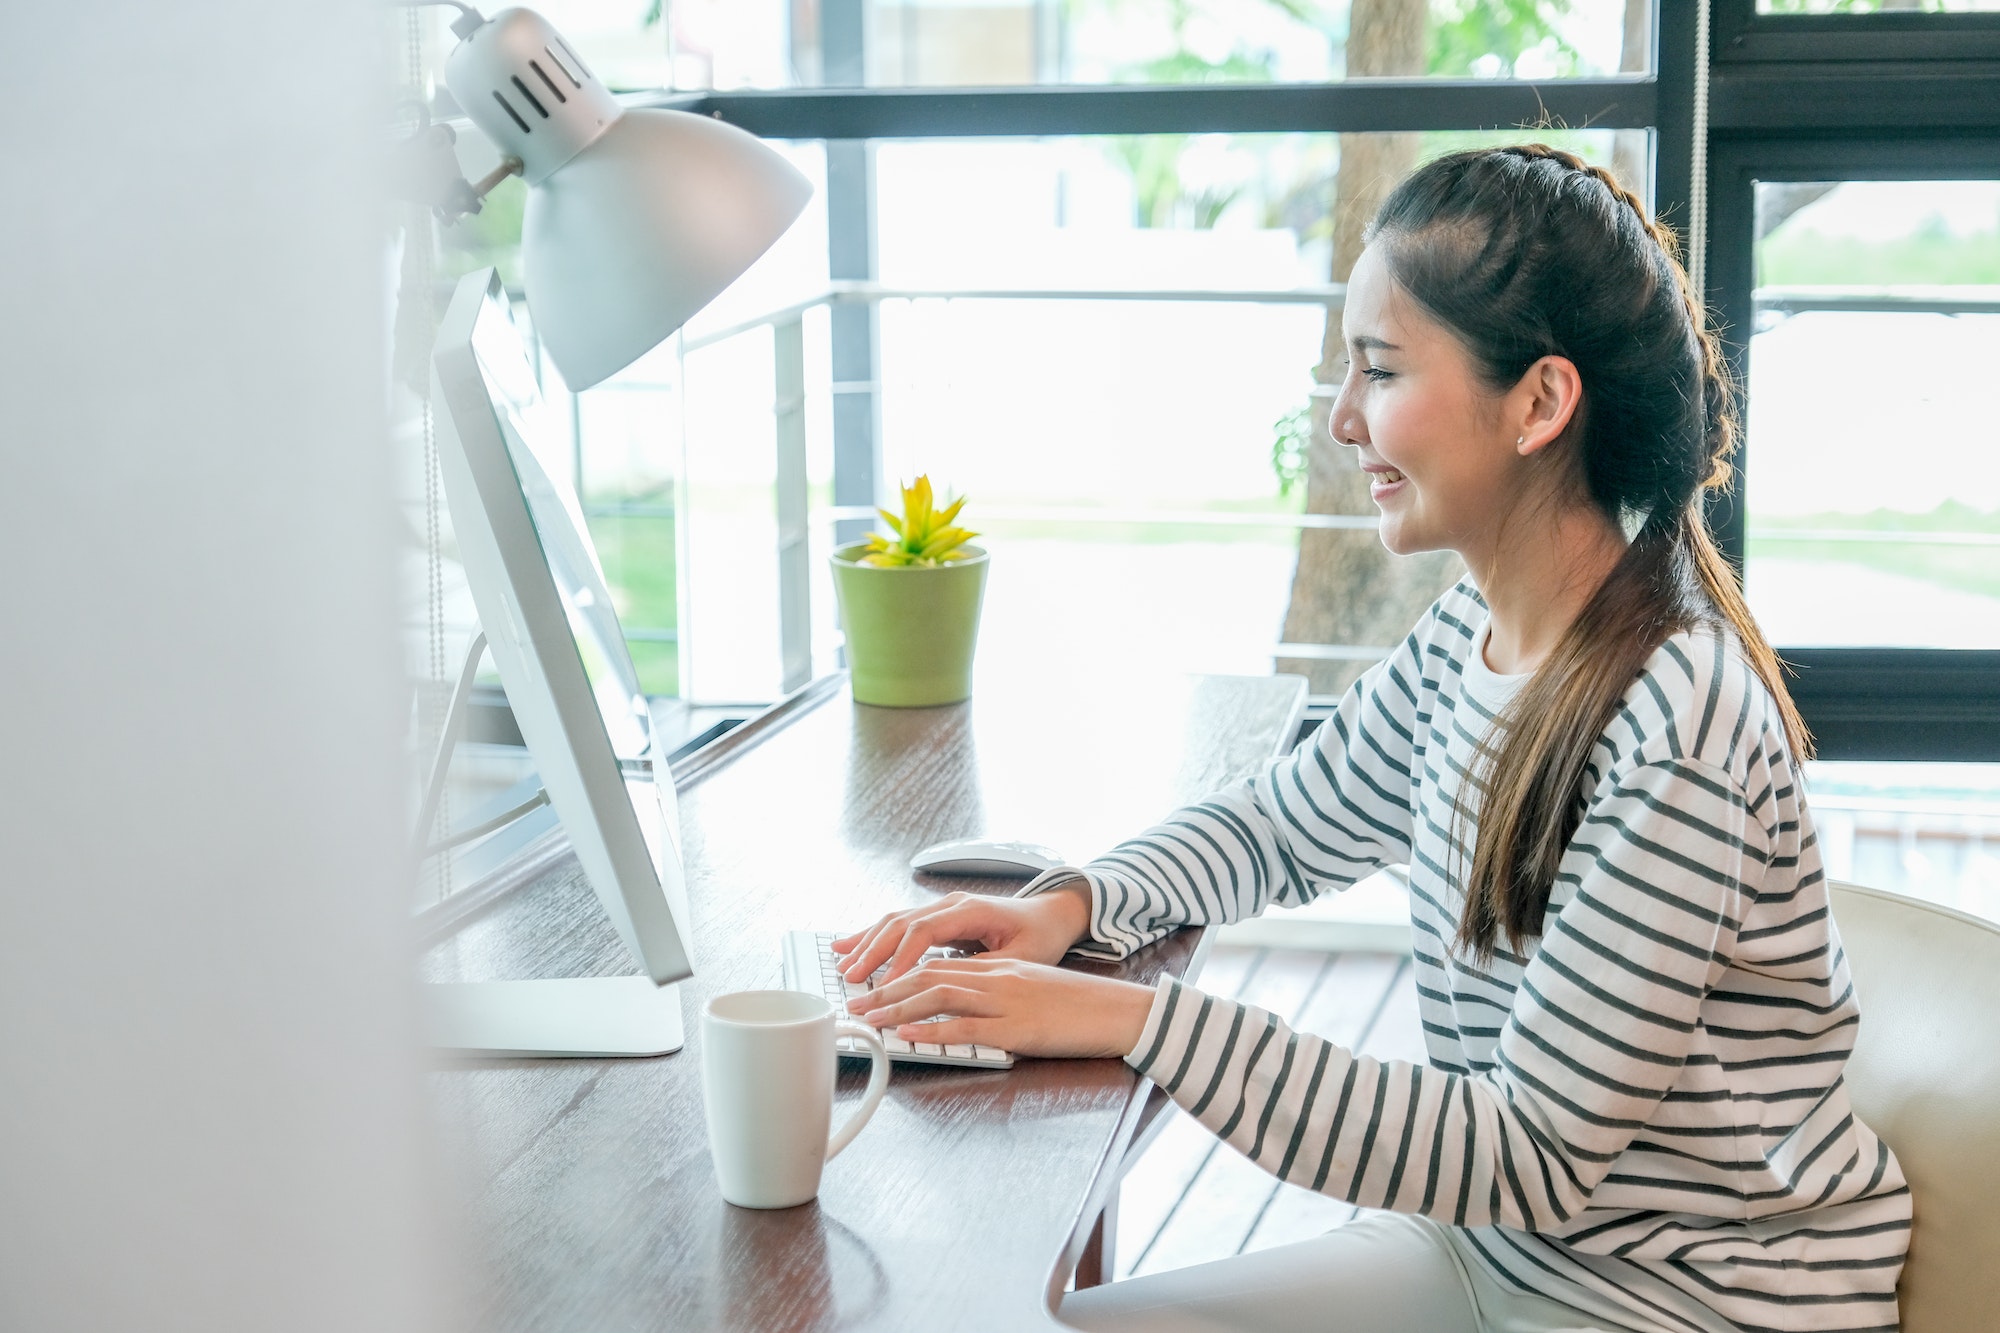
{"points": [[1347, 589], [1628, 147], [1778, 200]]}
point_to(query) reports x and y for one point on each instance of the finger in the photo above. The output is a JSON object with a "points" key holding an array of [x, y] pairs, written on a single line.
{"points": [[902, 939], [890, 991], [957, 1032], [848, 943], [937, 927], [910, 952], [928, 970], [857, 944], [929, 1003], [902, 988], [931, 972], [876, 946]]}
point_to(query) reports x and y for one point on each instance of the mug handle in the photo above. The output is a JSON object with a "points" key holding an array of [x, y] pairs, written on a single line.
{"points": [[878, 1083]]}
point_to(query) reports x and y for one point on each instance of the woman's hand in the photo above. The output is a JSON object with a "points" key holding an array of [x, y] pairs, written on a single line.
{"points": [[1027, 1008], [1037, 930]]}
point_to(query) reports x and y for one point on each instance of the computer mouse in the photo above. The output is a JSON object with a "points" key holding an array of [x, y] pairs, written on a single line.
{"points": [[980, 856]]}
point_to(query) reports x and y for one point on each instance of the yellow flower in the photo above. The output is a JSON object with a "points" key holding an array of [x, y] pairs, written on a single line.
{"points": [[924, 535]]}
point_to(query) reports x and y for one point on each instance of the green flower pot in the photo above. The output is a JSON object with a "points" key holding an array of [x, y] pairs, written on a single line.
{"points": [[910, 631]]}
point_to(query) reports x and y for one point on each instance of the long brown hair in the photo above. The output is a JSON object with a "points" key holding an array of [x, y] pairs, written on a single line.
{"points": [[1525, 252]]}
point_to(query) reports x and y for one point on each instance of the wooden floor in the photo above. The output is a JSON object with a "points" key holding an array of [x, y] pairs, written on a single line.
{"points": [[1192, 1198]]}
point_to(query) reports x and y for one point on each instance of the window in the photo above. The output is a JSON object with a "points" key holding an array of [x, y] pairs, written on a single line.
{"points": [[1871, 222], [794, 44], [1873, 459], [1080, 269], [1854, 241]]}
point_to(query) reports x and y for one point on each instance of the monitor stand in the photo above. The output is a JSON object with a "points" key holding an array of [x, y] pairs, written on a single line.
{"points": [[577, 1016], [570, 1016]]}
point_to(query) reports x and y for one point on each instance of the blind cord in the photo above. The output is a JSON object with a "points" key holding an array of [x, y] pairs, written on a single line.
{"points": [[1698, 177]]}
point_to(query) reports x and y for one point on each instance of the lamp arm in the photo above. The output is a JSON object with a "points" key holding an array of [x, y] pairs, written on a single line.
{"points": [[509, 166], [426, 169]]}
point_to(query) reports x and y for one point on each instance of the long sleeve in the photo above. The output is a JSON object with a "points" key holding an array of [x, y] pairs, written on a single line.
{"points": [[1331, 812], [1649, 901]]}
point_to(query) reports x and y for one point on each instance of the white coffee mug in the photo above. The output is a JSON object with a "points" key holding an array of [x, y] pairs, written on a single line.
{"points": [[767, 1064]]}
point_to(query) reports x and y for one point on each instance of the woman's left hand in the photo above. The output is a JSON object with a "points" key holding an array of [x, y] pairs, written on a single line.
{"points": [[1026, 1008]]}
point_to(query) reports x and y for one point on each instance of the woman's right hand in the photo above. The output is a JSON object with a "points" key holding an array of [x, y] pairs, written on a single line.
{"points": [[1038, 929]]}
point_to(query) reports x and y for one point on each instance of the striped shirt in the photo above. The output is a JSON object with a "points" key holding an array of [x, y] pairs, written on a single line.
{"points": [[1644, 1115]]}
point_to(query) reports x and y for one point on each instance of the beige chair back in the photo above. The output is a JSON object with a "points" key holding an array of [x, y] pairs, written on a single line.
{"points": [[1925, 1075]]}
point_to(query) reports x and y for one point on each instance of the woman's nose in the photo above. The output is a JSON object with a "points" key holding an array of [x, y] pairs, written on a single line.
{"points": [[1343, 424]]}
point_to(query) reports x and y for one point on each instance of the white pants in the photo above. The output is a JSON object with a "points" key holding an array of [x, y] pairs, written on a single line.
{"points": [[1382, 1271]]}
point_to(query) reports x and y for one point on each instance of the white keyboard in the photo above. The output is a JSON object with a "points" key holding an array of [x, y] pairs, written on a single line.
{"points": [[809, 967]]}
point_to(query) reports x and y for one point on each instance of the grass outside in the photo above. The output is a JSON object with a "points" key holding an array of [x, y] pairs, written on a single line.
{"points": [[639, 565], [1974, 569], [1801, 258], [639, 555]]}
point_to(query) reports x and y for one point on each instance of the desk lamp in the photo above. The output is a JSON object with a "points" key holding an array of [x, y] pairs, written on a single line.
{"points": [[636, 217]]}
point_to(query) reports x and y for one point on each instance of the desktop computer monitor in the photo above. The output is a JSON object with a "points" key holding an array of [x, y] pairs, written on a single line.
{"points": [[549, 622]]}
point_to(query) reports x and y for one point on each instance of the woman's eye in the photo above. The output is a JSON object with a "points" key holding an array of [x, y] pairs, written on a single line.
{"points": [[1376, 373]]}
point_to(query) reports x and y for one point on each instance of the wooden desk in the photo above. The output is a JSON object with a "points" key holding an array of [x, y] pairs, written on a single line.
{"points": [[967, 1200]]}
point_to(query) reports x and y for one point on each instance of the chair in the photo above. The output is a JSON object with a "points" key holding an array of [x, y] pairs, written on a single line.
{"points": [[1925, 1075]]}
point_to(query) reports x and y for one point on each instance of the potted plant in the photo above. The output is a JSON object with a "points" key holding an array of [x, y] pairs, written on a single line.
{"points": [[909, 603]]}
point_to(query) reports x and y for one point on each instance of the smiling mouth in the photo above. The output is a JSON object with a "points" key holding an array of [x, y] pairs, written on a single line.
{"points": [[1387, 477]]}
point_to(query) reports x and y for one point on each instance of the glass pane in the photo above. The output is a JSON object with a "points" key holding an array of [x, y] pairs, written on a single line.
{"points": [[1874, 416], [1929, 830], [1105, 437], [629, 450], [729, 44], [1130, 443]]}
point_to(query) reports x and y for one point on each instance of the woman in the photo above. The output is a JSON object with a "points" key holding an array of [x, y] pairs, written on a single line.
{"points": [[1635, 1005]]}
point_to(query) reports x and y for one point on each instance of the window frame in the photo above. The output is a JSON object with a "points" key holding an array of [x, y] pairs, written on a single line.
{"points": [[1874, 703], [1877, 96], [1741, 34]]}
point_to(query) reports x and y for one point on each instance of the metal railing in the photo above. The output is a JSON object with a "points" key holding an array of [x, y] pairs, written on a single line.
{"points": [[1905, 300]]}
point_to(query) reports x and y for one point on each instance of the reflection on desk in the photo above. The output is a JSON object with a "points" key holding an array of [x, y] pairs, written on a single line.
{"points": [[970, 1197]]}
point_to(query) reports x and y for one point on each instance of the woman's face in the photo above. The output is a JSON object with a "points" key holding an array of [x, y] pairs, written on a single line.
{"points": [[1444, 462]]}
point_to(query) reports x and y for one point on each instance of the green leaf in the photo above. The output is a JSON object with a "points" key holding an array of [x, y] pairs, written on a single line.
{"points": [[924, 535], [944, 540]]}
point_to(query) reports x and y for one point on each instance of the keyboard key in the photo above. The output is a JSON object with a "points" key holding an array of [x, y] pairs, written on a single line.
{"points": [[896, 1045], [989, 1052], [929, 1048], [959, 1052]]}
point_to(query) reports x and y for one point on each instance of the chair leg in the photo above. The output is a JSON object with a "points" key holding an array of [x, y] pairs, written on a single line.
{"points": [[1094, 1265]]}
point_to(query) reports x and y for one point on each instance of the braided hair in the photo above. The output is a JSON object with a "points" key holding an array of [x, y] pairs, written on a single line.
{"points": [[1524, 252]]}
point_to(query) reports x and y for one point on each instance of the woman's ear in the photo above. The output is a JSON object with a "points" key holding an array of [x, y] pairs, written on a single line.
{"points": [[1544, 402]]}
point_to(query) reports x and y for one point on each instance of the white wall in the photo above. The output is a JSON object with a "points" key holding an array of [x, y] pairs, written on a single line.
{"points": [[210, 1112]]}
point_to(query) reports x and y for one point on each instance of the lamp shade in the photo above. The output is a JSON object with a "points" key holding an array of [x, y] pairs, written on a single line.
{"points": [[633, 235], [636, 218]]}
